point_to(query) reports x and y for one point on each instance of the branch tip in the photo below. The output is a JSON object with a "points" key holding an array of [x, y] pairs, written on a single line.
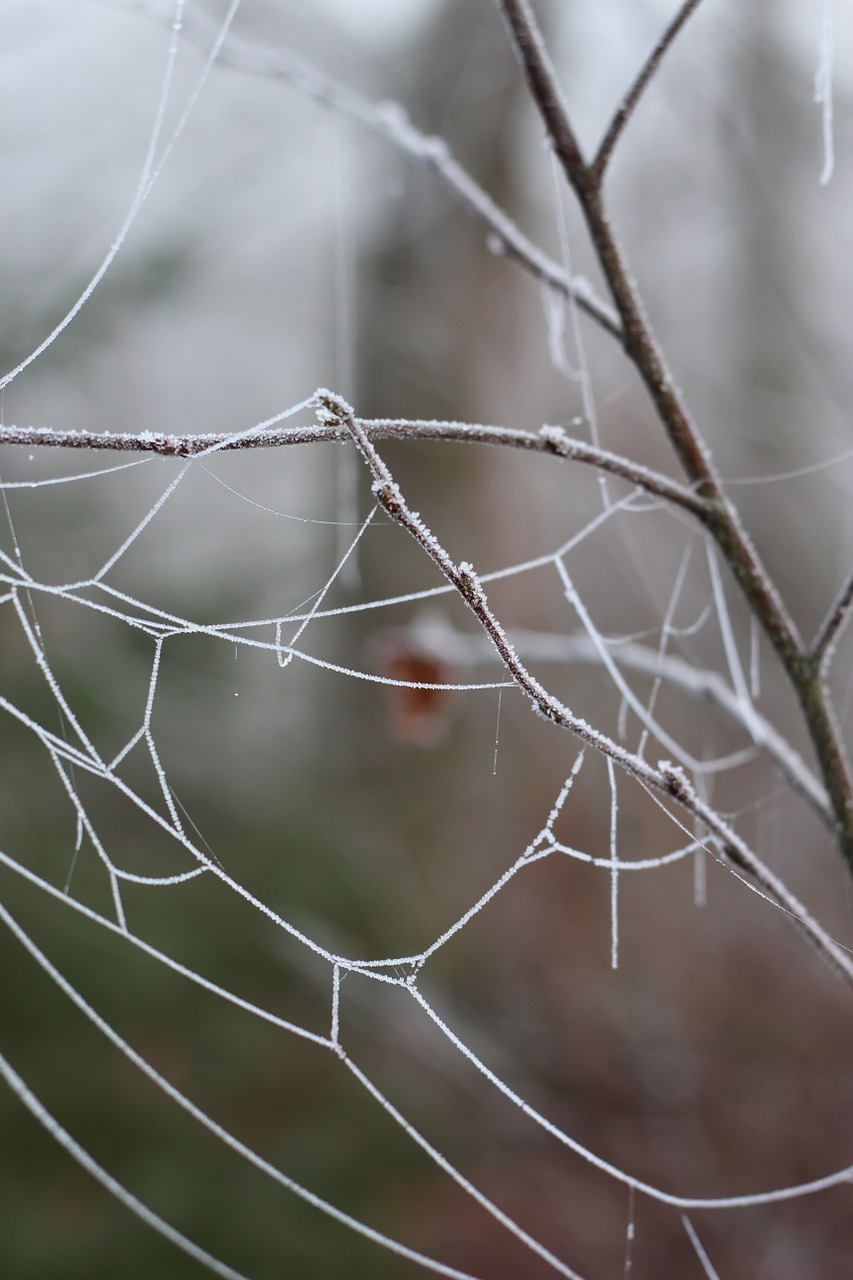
{"points": [[641, 82]]}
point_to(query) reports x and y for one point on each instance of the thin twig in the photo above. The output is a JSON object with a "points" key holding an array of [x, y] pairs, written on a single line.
{"points": [[823, 645], [553, 441], [632, 97], [666, 779]]}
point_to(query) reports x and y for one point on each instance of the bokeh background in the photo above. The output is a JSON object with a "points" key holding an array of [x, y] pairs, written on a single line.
{"points": [[283, 248]]}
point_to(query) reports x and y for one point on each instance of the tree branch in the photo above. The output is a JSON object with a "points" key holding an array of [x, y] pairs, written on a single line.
{"points": [[553, 441], [632, 97], [723, 520], [667, 780]]}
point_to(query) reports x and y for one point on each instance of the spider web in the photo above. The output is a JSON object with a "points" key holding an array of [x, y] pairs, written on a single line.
{"points": [[363, 1002]]}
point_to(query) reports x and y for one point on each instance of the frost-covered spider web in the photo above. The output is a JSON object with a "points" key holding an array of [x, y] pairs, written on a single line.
{"points": [[324, 951]]}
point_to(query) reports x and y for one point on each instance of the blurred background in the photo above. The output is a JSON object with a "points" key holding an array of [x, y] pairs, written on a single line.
{"points": [[284, 247]]}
